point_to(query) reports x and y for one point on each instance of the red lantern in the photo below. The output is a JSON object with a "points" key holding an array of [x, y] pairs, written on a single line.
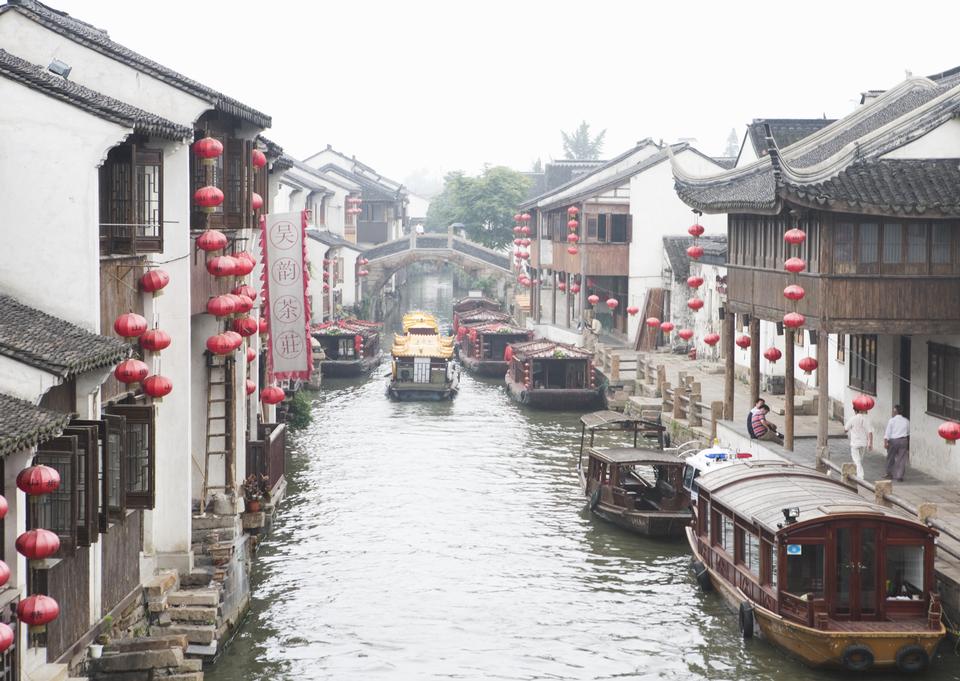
{"points": [[4, 507], [743, 342], [572, 250], [235, 338], [686, 334], [772, 354], [251, 354], [593, 299], [38, 544], [572, 225], [667, 327], [516, 230], [863, 403], [245, 290], [523, 242], [364, 273], [518, 241], [130, 325], [154, 281], [572, 238], [131, 371], [794, 320], [795, 236], [695, 304], [221, 306], [220, 344], [208, 198], [612, 303], [949, 431], [4, 578], [695, 230], [508, 353], [256, 201], [574, 288], [794, 292], [222, 266], [652, 322], [6, 633], [326, 287], [245, 264], [245, 326], [212, 240], [524, 256], [695, 252], [562, 287], [157, 386], [572, 210], [37, 610], [525, 217], [251, 387], [795, 265], [517, 217], [207, 150], [711, 339], [155, 340], [258, 159], [694, 282], [244, 304], [38, 479], [272, 395], [263, 325], [807, 365], [525, 230]]}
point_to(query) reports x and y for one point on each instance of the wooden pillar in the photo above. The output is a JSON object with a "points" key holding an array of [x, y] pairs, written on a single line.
{"points": [[754, 361], [789, 388], [729, 368], [553, 307], [823, 396]]}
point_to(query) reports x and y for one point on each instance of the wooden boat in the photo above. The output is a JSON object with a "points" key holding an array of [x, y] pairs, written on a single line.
{"points": [[820, 571], [423, 367], [351, 347], [480, 316], [482, 347], [471, 303], [640, 487], [548, 375]]}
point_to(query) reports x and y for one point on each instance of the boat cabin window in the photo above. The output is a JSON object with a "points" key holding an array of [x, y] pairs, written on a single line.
{"points": [[724, 526], [905, 572], [346, 348], [690, 475], [749, 547], [805, 569], [770, 551]]}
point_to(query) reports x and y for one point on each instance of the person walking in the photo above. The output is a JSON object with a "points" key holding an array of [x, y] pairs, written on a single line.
{"points": [[861, 438], [896, 440]]}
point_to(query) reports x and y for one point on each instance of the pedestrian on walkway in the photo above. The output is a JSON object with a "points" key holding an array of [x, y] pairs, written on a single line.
{"points": [[861, 438], [761, 429], [896, 440]]}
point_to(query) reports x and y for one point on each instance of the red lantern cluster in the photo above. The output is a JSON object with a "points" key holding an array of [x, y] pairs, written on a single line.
{"points": [[573, 224], [154, 281], [794, 292]]}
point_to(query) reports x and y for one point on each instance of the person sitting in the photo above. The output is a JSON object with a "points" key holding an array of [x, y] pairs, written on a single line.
{"points": [[761, 429], [761, 403]]}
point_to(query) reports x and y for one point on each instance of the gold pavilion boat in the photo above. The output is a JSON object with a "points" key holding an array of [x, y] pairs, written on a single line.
{"points": [[482, 347], [547, 375], [423, 367], [351, 347], [818, 570]]}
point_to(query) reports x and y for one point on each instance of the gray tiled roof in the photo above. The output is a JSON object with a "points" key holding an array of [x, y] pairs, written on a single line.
{"points": [[22, 425], [98, 40], [675, 248], [333, 240], [785, 131], [98, 104], [52, 344], [369, 189]]}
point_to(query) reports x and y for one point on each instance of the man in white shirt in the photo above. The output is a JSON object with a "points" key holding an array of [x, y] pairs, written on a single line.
{"points": [[861, 438], [896, 439]]}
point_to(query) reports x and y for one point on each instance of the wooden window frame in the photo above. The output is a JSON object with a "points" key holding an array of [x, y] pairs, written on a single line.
{"points": [[59, 453], [943, 366], [138, 416], [863, 363], [119, 227], [90, 436], [116, 428], [841, 348]]}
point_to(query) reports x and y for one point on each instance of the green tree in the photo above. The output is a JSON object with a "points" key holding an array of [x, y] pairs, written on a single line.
{"points": [[484, 204], [580, 146]]}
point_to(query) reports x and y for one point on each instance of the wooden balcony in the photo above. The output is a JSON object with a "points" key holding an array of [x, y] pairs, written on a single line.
{"points": [[266, 455]]}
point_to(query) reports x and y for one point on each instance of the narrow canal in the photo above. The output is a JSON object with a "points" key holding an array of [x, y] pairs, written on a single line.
{"points": [[450, 541]]}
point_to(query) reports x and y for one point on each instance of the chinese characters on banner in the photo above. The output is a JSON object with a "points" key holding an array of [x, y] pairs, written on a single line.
{"points": [[288, 310]]}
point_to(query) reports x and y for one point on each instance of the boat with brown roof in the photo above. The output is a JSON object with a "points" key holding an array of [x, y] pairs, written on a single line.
{"points": [[548, 375], [351, 347], [482, 347]]}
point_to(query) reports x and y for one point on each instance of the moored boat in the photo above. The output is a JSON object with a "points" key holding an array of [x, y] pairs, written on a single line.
{"points": [[471, 303], [351, 347], [422, 367], [637, 487], [482, 347], [820, 571], [548, 375], [480, 316]]}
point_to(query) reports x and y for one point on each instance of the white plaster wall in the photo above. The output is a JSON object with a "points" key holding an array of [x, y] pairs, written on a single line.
{"points": [[941, 142], [927, 451], [14, 525], [24, 381], [49, 180], [315, 254]]}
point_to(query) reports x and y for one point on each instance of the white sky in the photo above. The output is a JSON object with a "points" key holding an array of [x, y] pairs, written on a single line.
{"points": [[446, 85]]}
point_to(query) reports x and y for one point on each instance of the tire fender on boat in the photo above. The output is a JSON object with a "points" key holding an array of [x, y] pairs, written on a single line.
{"points": [[595, 498], [523, 396], [911, 659], [857, 658], [702, 576], [746, 621]]}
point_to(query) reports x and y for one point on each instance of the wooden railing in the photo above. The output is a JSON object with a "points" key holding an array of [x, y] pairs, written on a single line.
{"points": [[266, 455]]}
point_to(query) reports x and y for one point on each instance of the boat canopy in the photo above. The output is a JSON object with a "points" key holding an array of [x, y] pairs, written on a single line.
{"points": [[481, 315], [475, 302], [415, 345], [421, 320], [346, 327], [622, 456], [545, 349], [615, 420], [499, 328]]}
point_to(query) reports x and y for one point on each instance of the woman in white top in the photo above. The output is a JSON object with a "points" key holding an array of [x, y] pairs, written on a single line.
{"points": [[861, 438]]}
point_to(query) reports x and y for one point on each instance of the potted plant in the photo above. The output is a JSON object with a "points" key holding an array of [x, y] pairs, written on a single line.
{"points": [[256, 489]]}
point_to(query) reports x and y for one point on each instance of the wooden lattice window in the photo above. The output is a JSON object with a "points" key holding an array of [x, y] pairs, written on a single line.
{"points": [[131, 200], [92, 437], [57, 511], [943, 381], [863, 363], [138, 462], [112, 478]]}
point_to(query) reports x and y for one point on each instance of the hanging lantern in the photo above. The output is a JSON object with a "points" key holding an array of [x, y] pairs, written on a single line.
{"points": [[221, 306], [517, 218], [251, 387], [572, 238], [612, 303], [245, 326], [38, 544], [244, 304], [131, 371], [524, 256], [711, 339], [4, 578], [130, 325], [208, 150], [795, 265], [807, 365], [222, 266], [38, 479], [256, 201], [525, 230], [235, 338], [593, 299], [4, 507], [652, 322], [208, 198], [694, 282], [686, 334], [523, 242], [572, 225], [949, 431], [772, 354], [220, 344], [667, 327], [326, 287], [6, 632], [272, 395], [362, 273], [518, 241], [743, 342], [572, 250], [794, 320], [244, 263], [251, 354], [257, 158], [37, 610], [154, 281], [516, 230], [572, 210], [795, 236], [562, 287], [155, 340], [263, 325], [695, 252], [794, 292], [157, 387], [245, 290], [574, 288], [695, 304], [863, 403], [212, 240], [525, 217], [695, 230]]}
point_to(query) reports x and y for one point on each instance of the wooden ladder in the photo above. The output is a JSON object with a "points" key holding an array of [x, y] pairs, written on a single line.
{"points": [[220, 423]]}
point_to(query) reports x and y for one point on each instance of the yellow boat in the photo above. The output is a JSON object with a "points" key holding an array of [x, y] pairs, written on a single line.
{"points": [[423, 367]]}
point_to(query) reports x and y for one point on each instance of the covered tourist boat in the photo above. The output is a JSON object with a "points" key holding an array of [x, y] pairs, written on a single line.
{"points": [[549, 375], [637, 487], [423, 367], [471, 303], [480, 316], [820, 571], [351, 347], [482, 347]]}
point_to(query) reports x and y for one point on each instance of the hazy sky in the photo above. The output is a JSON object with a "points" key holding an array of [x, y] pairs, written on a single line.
{"points": [[448, 85]]}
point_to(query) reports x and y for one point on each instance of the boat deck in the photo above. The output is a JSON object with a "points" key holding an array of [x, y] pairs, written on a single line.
{"points": [[890, 626]]}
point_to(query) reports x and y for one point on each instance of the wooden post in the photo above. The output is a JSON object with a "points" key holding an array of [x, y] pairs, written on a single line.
{"points": [[754, 360], [847, 471], [694, 415], [553, 308], [926, 511], [823, 397], [614, 367], [789, 388], [880, 490], [678, 394], [729, 369], [665, 395], [716, 414], [661, 379]]}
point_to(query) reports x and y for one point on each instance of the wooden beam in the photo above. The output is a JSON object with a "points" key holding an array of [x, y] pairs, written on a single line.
{"points": [[823, 396], [728, 373], [754, 360], [789, 388]]}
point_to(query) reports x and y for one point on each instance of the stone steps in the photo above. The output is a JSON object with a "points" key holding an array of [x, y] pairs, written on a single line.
{"points": [[47, 672]]}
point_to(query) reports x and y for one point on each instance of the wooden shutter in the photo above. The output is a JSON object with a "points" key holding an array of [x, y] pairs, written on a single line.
{"points": [[90, 454], [139, 459], [57, 511], [112, 498], [235, 192]]}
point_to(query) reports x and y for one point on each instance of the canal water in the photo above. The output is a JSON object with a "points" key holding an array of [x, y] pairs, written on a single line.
{"points": [[449, 541]]}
